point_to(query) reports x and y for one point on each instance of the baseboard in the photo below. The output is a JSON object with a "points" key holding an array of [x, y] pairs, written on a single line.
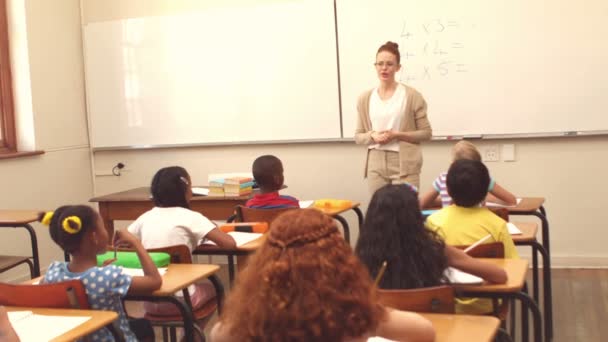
{"points": [[579, 261]]}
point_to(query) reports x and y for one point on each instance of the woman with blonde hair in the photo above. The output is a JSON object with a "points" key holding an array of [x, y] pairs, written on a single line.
{"points": [[305, 284]]}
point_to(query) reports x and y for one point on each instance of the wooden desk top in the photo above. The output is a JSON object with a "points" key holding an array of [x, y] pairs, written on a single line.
{"points": [[18, 217], [450, 328], [98, 320], [250, 246], [176, 278], [143, 194], [528, 231], [516, 272], [180, 276], [527, 204], [336, 211]]}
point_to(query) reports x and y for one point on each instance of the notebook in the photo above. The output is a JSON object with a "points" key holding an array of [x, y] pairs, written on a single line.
{"points": [[457, 276], [499, 205], [240, 238], [200, 191], [306, 204], [138, 272], [513, 230], [32, 327]]}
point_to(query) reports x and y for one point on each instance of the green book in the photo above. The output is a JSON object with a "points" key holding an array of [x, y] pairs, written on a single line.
{"points": [[130, 259]]}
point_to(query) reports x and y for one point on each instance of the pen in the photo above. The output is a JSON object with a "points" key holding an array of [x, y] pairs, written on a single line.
{"points": [[380, 273], [115, 244], [482, 240]]}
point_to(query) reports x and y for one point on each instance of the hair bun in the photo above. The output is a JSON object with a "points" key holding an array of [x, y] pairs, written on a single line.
{"points": [[72, 224]]}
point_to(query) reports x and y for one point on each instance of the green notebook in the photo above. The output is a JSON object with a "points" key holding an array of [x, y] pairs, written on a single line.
{"points": [[130, 259]]}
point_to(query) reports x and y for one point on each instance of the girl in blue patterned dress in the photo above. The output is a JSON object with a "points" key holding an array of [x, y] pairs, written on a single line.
{"points": [[79, 230]]}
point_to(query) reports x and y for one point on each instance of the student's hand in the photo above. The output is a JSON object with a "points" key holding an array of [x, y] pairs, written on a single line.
{"points": [[123, 238]]}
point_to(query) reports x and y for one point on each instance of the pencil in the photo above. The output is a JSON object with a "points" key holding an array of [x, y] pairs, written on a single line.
{"points": [[482, 240], [380, 273]]}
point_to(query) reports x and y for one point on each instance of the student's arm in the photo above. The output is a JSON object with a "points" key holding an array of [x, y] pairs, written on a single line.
{"points": [[430, 199], [151, 280], [405, 326], [462, 261], [221, 239], [502, 195]]}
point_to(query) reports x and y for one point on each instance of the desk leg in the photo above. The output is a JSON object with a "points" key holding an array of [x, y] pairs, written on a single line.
{"points": [[345, 227], [230, 269], [359, 216], [219, 291], [184, 309], [104, 212], [35, 256]]}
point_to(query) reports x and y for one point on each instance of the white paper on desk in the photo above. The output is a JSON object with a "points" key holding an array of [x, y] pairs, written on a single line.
{"points": [[32, 327], [240, 238], [379, 339], [457, 276], [138, 272], [306, 204], [499, 205], [513, 230], [200, 191]]}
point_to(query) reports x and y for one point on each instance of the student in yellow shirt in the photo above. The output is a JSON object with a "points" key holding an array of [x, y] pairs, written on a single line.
{"points": [[466, 221]]}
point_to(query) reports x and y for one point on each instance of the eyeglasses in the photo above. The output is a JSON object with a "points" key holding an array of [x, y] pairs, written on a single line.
{"points": [[382, 64]]}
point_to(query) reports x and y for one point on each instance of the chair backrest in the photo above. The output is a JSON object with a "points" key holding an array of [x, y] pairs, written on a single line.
{"points": [[67, 294], [244, 214], [486, 250], [438, 299], [503, 213], [180, 254]]}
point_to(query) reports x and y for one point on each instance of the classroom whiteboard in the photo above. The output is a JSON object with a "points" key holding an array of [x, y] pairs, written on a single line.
{"points": [[259, 72], [485, 66]]}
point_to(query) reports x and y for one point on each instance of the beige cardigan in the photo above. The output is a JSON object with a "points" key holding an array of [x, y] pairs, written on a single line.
{"points": [[414, 121]]}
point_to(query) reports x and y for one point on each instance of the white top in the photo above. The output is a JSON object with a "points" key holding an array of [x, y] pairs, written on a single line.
{"points": [[386, 115], [163, 227]]}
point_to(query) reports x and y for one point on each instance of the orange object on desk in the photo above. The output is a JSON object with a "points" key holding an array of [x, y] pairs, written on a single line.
{"points": [[248, 227]]}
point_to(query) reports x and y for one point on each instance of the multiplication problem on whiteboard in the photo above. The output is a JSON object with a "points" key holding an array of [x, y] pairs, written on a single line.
{"points": [[433, 49]]}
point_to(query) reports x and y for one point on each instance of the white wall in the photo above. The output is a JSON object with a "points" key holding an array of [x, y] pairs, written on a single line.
{"points": [[566, 171], [63, 174]]}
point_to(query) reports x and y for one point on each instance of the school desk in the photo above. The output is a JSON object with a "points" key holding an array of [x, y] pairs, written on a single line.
{"points": [[21, 219], [130, 204], [99, 319], [449, 327], [336, 213], [177, 278], [514, 288], [241, 253], [533, 206]]}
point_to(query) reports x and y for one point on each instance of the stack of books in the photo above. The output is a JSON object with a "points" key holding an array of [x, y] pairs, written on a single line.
{"points": [[216, 187], [238, 186]]}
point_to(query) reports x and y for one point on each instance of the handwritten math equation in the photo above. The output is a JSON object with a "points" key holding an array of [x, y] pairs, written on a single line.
{"points": [[432, 49]]}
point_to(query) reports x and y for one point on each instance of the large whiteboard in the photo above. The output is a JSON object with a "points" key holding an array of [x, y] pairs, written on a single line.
{"points": [[268, 71], [234, 74], [485, 66]]}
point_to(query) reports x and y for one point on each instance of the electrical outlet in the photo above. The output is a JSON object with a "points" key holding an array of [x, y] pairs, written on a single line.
{"points": [[491, 153]]}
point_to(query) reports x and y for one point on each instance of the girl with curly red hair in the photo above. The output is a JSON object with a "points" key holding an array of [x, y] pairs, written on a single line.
{"points": [[305, 284]]}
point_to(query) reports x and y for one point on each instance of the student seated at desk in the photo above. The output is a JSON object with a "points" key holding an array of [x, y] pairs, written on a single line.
{"points": [[170, 223], [393, 231], [466, 221], [79, 230], [305, 284], [463, 150], [268, 173], [7, 333]]}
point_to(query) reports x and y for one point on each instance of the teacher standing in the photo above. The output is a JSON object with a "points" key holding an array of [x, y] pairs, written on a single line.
{"points": [[392, 122]]}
